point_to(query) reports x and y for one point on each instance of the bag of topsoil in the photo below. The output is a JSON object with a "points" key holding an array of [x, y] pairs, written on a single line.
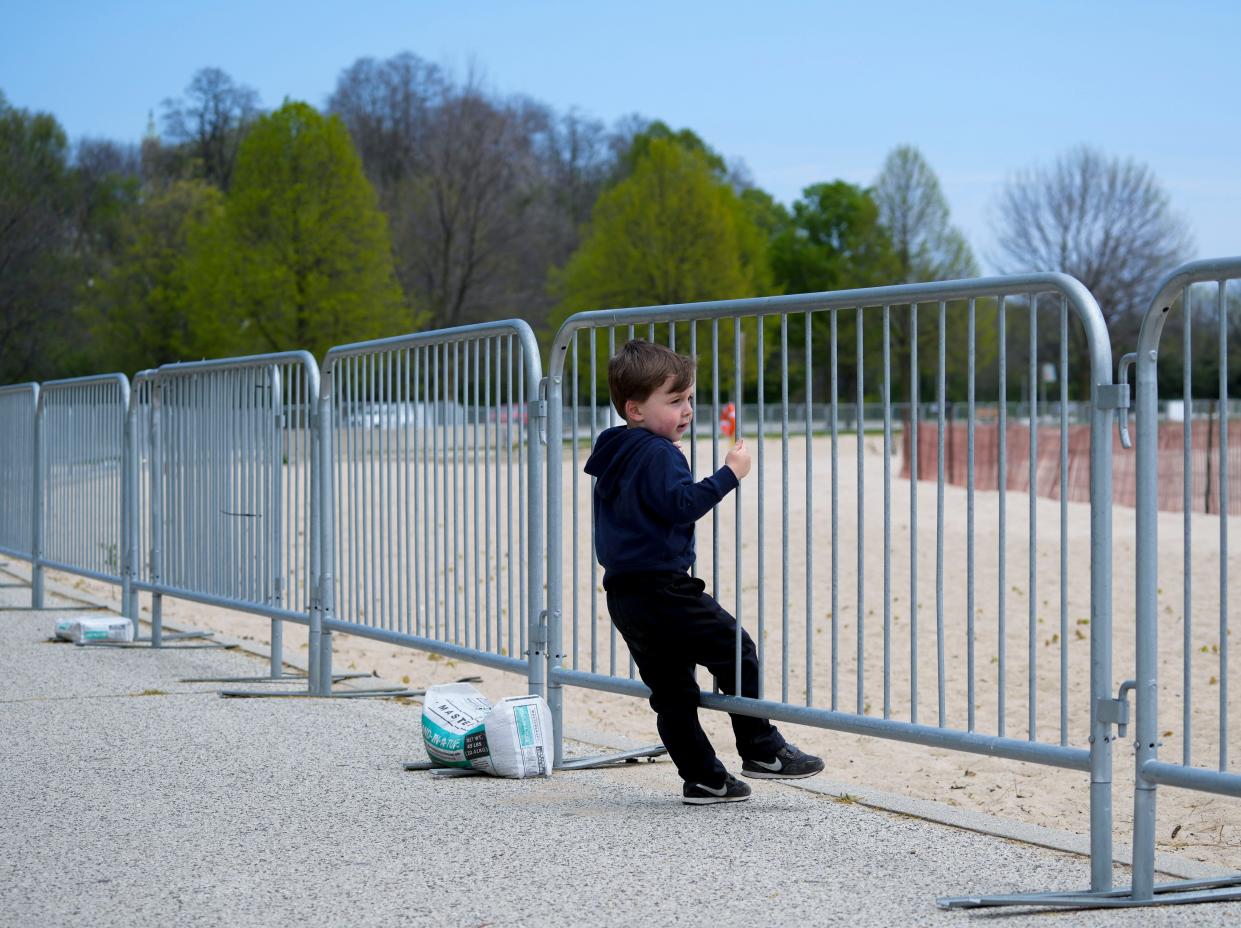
{"points": [[88, 629], [461, 728]]}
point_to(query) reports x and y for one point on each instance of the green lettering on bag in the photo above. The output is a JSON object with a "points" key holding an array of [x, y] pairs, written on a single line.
{"points": [[525, 731]]}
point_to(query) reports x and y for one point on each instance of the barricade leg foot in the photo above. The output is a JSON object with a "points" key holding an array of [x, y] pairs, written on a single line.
{"points": [[1181, 892], [649, 753]]}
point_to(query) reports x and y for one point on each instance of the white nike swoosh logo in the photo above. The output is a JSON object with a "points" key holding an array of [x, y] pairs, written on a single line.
{"points": [[774, 766], [714, 791]]}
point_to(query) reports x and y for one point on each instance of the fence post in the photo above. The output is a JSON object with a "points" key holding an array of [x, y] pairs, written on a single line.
{"points": [[129, 515], [157, 514], [1100, 632], [36, 544], [1146, 570], [541, 643], [275, 518], [320, 637], [315, 604], [555, 429]]}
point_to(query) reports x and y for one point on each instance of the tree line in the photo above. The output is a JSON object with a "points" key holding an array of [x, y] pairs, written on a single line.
{"points": [[412, 200]]}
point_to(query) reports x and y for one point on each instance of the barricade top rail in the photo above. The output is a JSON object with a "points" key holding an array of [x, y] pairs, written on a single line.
{"points": [[56, 386], [139, 379], [1171, 287], [186, 368], [31, 387], [518, 327], [1079, 298]]}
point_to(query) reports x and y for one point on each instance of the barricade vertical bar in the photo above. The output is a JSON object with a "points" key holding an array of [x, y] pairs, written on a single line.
{"points": [[372, 594], [1101, 612], [508, 451], [1032, 576], [809, 515], [433, 363], [426, 443], [835, 379], [611, 628], [969, 519], [1222, 311], [129, 528], [466, 508], [487, 524], [576, 506], [914, 472], [157, 513], [418, 408], [555, 435], [887, 511], [320, 487], [1064, 520], [274, 516], [715, 452], [327, 535], [458, 456], [594, 434], [1187, 474], [941, 398], [1146, 572], [738, 385], [1002, 482], [546, 635], [37, 507], [352, 473], [784, 508], [524, 490], [760, 554], [861, 518]]}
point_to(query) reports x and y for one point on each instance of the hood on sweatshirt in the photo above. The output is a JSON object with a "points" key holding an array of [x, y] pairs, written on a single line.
{"points": [[618, 456]]}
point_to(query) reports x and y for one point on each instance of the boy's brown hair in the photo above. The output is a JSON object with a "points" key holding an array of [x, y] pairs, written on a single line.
{"points": [[640, 368]]}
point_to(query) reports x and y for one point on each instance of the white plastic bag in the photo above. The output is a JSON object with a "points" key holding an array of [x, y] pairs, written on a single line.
{"points": [[519, 737], [460, 728], [452, 725], [86, 629]]}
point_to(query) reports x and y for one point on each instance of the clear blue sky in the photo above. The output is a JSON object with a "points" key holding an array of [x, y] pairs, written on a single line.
{"points": [[801, 92]]}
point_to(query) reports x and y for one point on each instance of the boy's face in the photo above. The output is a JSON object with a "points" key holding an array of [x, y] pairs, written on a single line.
{"points": [[664, 412]]}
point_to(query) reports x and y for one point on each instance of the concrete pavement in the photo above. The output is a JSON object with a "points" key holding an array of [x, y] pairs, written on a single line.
{"points": [[132, 799]]}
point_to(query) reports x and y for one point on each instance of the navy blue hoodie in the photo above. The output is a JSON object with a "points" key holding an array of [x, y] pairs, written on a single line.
{"points": [[646, 502]]}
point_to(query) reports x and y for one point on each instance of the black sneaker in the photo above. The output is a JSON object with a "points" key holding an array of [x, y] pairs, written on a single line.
{"points": [[788, 764], [699, 794]]}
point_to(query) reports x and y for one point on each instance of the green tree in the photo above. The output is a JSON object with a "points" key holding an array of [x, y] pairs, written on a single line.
{"points": [[137, 311], [671, 232], [300, 255], [643, 135], [833, 241], [39, 267]]}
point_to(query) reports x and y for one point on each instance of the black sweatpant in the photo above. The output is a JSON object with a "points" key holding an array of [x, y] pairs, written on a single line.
{"points": [[671, 625]]}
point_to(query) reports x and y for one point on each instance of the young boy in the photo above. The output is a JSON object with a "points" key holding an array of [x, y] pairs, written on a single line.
{"points": [[646, 503]]}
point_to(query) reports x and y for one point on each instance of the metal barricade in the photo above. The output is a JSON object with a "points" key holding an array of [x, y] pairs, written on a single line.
{"points": [[433, 500], [18, 409], [231, 483], [81, 493], [1201, 293], [18, 415], [809, 597]]}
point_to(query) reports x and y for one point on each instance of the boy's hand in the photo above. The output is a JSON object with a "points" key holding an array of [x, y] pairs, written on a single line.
{"points": [[738, 459]]}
